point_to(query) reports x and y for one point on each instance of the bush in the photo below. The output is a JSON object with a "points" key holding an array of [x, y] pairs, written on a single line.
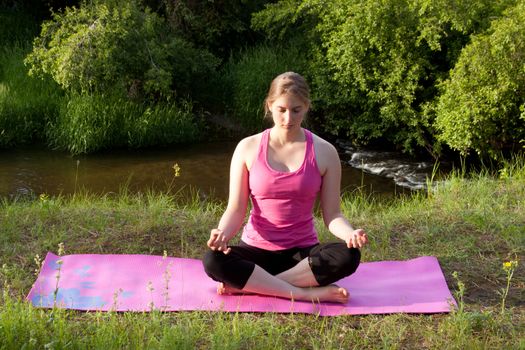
{"points": [[88, 123], [376, 64], [219, 26], [482, 107], [248, 77], [109, 46]]}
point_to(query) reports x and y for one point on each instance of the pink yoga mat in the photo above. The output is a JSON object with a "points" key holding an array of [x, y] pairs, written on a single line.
{"points": [[140, 282]]}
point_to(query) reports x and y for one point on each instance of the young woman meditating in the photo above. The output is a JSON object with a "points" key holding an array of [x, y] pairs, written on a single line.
{"points": [[283, 170]]}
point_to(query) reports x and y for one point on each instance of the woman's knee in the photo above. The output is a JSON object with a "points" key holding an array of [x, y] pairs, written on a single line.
{"points": [[213, 264], [335, 263], [350, 261], [227, 268]]}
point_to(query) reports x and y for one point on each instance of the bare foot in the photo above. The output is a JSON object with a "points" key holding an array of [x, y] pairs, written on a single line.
{"points": [[224, 289], [331, 293]]}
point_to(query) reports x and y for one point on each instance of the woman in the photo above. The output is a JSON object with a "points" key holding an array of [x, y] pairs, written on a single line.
{"points": [[283, 170]]}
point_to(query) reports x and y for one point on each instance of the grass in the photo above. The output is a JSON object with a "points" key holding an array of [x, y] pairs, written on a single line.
{"points": [[471, 225], [247, 79], [26, 104], [89, 123]]}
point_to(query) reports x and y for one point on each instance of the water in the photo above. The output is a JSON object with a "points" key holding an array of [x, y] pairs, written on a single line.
{"points": [[404, 172], [205, 167]]}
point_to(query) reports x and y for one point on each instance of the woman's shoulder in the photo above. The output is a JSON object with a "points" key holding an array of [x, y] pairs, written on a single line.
{"points": [[321, 145], [250, 142], [247, 148], [325, 154]]}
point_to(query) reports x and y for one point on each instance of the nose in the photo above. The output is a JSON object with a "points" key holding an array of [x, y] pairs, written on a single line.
{"points": [[287, 116]]}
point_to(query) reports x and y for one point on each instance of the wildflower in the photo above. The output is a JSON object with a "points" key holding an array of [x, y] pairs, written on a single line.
{"points": [[44, 197], [165, 255], [176, 168], [115, 298], [510, 265], [149, 287], [61, 249], [38, 262]]}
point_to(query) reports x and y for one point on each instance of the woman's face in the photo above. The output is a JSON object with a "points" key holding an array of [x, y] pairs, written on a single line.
{"points": [[288, 111]]}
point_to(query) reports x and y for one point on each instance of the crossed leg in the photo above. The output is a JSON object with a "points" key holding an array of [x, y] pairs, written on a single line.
{"points": [[297, 283], [248, 270]]}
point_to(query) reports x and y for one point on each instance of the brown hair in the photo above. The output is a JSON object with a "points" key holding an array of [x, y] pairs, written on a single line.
{"points": [[287, 83]]}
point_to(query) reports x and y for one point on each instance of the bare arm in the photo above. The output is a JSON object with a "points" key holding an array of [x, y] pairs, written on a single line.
{"points": [[330, 198], [233, 217]]}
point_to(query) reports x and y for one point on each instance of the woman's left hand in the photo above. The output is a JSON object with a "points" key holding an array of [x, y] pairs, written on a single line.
{"points": [[356, 239]]}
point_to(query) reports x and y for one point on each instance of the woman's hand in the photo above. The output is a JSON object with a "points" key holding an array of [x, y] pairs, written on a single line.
{"points": [[356, 239], [218, 241]]}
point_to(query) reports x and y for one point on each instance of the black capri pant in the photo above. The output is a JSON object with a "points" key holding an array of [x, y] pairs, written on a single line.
{"points": [[329, 262]]}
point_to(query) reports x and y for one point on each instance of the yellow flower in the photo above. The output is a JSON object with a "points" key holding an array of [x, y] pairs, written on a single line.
{"points": [[510, 265]]}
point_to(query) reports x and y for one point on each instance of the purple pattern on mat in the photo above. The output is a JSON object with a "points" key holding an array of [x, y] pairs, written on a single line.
{"points": [[120, 283]]}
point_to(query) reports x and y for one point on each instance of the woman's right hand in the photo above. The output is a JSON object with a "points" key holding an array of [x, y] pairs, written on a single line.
{"points": [[218, 241]]}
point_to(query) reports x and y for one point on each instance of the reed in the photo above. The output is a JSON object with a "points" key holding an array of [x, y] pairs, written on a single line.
{"points": [[89, 123]]}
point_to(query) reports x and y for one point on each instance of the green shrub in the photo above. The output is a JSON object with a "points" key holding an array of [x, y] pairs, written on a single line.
{"points": [[247, 80], [26, 104], [108, 47], [482, 107], [88, 123], [220, 26], [376, 65]]}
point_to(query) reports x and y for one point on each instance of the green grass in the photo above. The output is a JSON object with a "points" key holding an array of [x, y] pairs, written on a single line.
{"points": [[16, 26], [89, 123], [26, 104], [471, 225], [246, 80]]}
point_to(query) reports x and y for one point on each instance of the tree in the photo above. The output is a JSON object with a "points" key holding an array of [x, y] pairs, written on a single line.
{"points": [[482, 105]]}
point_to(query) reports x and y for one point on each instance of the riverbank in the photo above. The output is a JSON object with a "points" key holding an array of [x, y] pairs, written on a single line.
{"points": [[471, 225]]}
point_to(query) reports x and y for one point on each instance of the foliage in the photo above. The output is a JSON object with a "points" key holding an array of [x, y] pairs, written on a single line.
{"points": [[482, 105], [26, 104], [246, 80], [108, 46], [376, 64], [220, 26], [88, 123]]}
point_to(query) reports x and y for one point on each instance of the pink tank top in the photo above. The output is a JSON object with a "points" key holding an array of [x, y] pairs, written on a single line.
{"points": [[282, 202]]}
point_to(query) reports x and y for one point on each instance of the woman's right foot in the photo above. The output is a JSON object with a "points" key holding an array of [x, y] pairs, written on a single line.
{"points": [[331, 293]]}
